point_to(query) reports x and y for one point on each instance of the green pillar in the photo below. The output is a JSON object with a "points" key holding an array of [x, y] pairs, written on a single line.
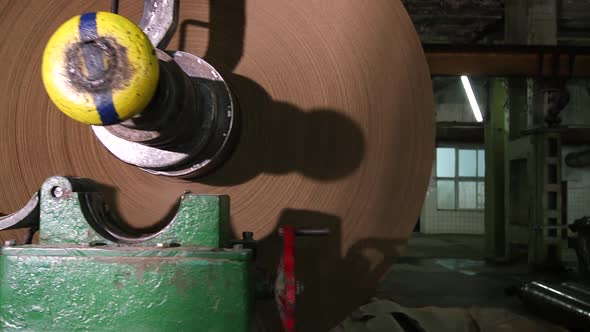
{"points": [[495, 146]]}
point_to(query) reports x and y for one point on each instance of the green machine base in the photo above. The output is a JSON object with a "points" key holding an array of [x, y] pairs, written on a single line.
{"points": [[90, 273]]}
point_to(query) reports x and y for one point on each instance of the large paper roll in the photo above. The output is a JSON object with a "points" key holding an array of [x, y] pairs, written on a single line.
{"points": [[337, 122]]}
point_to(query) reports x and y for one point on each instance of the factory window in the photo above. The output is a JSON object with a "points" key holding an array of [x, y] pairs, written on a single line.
{"points": [[460, 176]]}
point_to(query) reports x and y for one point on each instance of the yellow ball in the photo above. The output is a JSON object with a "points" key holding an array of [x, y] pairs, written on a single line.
{"points": [[100, 68]]}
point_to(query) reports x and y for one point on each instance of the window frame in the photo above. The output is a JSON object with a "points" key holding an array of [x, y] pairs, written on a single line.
{"points": [[456, 179]]}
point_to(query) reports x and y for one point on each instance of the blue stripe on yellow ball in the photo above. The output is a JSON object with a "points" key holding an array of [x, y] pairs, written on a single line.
{"points": [[100, 68], [103, 100]]}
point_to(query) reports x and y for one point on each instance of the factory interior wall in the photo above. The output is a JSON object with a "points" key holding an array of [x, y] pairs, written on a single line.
{"points": [[578, 179], [578, 186], [576, 111], [452, 106], [433, 220]]}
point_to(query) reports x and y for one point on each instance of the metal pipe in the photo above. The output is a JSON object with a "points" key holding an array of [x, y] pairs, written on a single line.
{"points": [[563, 305], [115, 6], [309, 231], [190, 125], [508, 60]]}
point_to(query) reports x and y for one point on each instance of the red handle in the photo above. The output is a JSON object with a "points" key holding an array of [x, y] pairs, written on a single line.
{"points": [[286, 285]]}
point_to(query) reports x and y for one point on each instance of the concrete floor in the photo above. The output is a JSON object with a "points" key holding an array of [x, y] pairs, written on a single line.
{"points": [[449, 271]]}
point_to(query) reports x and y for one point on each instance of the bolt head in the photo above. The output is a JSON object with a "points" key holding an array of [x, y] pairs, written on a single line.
{"points": [[57, 191], [9, 243]]}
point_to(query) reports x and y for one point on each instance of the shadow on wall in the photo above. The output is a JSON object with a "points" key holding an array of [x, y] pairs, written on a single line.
{"points": [[277, 138]]}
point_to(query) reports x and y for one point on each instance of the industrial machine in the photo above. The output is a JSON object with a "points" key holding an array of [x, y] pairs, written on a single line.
{"points": [[309, 130], [150, 281], [87, 272], [168, 113]]}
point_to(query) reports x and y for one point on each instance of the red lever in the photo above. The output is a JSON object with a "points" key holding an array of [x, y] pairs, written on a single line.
{"points": [[286, 285]]}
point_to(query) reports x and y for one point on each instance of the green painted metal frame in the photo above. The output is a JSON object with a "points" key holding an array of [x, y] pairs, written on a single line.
{"points": [[77, 215], [67, 284]]}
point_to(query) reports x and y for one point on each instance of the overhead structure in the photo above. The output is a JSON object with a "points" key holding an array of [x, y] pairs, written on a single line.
{"points": [[336, 130], [509, 60]]}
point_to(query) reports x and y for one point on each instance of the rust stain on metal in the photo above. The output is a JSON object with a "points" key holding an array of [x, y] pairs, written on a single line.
{"points": [[182, 280], [115, 73]]}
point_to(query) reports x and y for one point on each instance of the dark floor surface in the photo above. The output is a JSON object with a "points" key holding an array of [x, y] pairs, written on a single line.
{"points": [[449, 271]]}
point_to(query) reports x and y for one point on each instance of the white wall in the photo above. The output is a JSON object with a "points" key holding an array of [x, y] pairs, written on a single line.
{"points": [[434, 221], [578, 186], [452, 105], [576, 114]]}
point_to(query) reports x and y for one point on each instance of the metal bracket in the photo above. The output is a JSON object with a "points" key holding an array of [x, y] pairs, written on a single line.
{"points": [[26, 217], [159, 21], [73, 211]]}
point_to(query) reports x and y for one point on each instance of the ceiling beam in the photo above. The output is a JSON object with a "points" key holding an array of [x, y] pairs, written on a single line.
{"points": [[508, 61]]}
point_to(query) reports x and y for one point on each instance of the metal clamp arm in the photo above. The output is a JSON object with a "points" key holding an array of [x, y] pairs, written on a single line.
{"points": [[159, 21], [26, 217]]}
